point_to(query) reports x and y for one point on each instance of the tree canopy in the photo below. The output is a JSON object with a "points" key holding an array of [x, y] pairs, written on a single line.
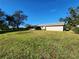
{"points": [[73, 19], [11, 21]]}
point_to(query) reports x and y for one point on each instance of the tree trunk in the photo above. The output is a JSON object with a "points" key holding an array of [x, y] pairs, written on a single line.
{"points": [[17, 27]]}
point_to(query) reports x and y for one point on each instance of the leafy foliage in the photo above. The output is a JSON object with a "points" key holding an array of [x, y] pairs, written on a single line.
{"points": [[76, 30], [13, 22], [3, 23], [18, 18], [72, 20], [37, 27]]}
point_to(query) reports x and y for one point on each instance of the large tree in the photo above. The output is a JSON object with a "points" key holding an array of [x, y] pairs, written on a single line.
{"points": [[11, 22], [3, 22], [73, 19], [19, 17]]}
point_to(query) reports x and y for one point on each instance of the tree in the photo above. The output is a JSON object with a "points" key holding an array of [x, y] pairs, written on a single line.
{"points": [[61, 19], [73, 19], [3, 23], [10, 20], [68, 22], [13, 21], [72, 12], [19, 17], [74, 15]]}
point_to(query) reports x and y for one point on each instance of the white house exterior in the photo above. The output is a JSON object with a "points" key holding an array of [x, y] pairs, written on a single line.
{"points": [[53, 27], [43, 27]]}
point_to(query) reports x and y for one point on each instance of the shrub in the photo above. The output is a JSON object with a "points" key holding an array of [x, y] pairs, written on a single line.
{"points": [[67, 27], [76, 30], [37, 28], [29, 27]]}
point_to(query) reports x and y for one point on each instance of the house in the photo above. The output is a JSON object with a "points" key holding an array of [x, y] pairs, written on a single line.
{"points": [[52, 27]]}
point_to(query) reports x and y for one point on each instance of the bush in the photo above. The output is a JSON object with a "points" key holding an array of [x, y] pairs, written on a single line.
{"points": [[29, 27], [37, 28], [67, 27], [76, 30]]}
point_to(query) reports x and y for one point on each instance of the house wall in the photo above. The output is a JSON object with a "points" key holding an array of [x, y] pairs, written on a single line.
{"points": [[43, 27], [54, 28]]}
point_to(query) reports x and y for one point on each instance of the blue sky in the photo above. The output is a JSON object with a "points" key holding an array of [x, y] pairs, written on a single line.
{"points": [[39, 11]]}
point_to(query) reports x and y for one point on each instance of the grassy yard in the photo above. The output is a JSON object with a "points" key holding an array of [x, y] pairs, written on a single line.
{"points": [[39, 45]]}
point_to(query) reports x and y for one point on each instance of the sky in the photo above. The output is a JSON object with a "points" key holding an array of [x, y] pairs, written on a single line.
{"points": [[39, 11]]}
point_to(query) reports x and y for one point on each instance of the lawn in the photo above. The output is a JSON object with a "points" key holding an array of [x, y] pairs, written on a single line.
{"points": [[39, 45]]}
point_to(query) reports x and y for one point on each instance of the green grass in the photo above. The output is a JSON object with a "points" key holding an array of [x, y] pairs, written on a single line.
{"points": [[39, 45]]}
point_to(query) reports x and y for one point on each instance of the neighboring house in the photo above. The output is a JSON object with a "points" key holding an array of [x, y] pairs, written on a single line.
{"points": [[52, 27]]}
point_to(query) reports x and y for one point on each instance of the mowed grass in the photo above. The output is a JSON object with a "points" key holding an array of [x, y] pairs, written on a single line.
{"points": [[39, 45]]}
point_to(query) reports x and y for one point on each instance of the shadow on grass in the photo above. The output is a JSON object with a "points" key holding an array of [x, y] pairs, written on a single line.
{"points": [[22, 32], [8, 31]]}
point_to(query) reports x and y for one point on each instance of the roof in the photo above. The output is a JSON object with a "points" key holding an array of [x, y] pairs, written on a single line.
{"points": [[56, 24]]}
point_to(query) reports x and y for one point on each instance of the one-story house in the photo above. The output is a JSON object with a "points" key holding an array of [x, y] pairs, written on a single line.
{"points": [[52, 27]]}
